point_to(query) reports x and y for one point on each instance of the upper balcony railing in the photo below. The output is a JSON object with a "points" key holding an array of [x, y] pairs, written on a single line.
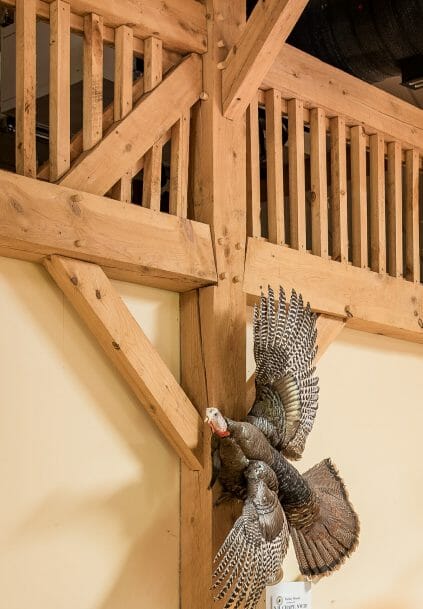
{"points": [[335, 168]]}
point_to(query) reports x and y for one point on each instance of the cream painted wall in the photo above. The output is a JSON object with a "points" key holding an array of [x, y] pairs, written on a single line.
{"points": [[89, 511], [370, 421], [90, 491]]}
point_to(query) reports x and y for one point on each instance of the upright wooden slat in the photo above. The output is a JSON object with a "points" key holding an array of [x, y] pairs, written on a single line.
{"points": [[124, 55], [339, 189], [153, 158], [26, 155], [275, 190], [319, 189], [377, 204], [179, 159], [253, 170], [359, 197], [296, 174], [92, 124], [394, 210], [412, 241], [59, 89]]}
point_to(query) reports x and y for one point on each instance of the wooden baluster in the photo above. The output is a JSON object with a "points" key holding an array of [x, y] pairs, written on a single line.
{"points": [[412, 241], [124, 56], [319, 183], [296, 174], [26, 153], [339, 189], [377, 204], [59, 160], [253, 170], [359, 197], [275, 190], [92, 123], [179, 160], [394, 210], [152, 180]]}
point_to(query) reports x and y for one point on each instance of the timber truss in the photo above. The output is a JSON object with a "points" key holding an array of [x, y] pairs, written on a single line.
{"points": [[209, 74]]}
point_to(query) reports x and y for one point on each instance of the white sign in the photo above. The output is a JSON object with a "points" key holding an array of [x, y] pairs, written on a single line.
{"points": [[289, 595]]}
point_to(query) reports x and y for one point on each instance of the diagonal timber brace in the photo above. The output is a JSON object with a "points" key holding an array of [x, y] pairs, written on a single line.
{"points": [[118, 152], [250, 59], [106, 315]]}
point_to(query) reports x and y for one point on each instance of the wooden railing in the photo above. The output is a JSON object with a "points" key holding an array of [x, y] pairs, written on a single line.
{"points": [[324, 182], [149, 181]]}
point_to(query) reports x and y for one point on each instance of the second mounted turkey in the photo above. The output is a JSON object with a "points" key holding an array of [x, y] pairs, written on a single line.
{"points": [[320, 518]]}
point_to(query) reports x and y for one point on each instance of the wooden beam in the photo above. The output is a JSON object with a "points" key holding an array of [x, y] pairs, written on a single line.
{"points": [[180, 24], [339, 189], [268, 26], [124, 58], [129, 242], [218, 191], [152, 116], [59, 95], [179, 160], [152, 177], [109, 319], [412, 241], [328, 330], [377, 204], [196, 524], [394, 210], [26, 153], [253, 171], [274, 163], [297, 74], [319, 180], [369, 301], [92, 106], [359, 197], [296, 174]]}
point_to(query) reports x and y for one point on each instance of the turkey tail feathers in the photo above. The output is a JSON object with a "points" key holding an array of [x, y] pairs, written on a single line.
{"points": [[333, 536]]}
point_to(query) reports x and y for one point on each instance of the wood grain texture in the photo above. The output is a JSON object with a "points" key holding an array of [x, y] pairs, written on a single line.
{"points": [[268, 26], [108, 318], [180, 24], [297, 74], [319, 180], [296, 174], [26, 154], [92, 105], [253, 170], [179, 161], [359, 197], [275, 187], [377, 204], [370, 302], [339, 189], [412, 241], [59, 94], [130, 243], [153, 116], [394, 210]]}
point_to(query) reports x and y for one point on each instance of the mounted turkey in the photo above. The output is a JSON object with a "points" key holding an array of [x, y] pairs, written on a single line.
{"points": [[321, 520]]}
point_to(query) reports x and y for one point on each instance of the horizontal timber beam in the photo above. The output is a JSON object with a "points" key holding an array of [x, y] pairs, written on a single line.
{"points": [[368, 301], [249, 60], [299, 75], [102, 166], [180, 24], [328, 329], [106, 315], [131, 243]]}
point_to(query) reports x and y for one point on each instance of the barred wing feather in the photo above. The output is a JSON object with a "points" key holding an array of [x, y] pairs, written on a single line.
{"points": [[286, 385]]}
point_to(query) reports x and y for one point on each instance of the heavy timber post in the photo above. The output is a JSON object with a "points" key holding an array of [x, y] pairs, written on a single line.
{"points": [[217, 315]]}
